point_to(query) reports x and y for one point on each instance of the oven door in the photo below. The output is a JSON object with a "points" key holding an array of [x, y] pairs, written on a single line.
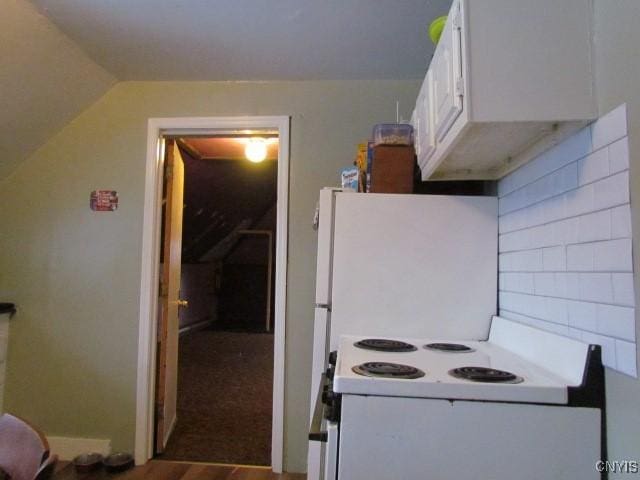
{"points": [[323, 440]]}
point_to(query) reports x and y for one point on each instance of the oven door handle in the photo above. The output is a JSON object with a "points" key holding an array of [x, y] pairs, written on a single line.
{"points": [[316, 433]]}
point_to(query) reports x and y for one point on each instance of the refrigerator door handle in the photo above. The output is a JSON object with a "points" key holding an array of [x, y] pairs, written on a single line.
{"points": [[315, 432]]}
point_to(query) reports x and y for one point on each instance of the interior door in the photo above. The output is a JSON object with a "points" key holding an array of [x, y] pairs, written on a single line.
{"points": [[167, 358]]}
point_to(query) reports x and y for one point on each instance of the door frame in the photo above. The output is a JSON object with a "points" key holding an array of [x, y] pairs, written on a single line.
{"points": [[149, 274]]}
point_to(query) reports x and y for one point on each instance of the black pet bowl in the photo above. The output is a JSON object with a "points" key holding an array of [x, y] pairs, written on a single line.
{"points": [[118, 462]]}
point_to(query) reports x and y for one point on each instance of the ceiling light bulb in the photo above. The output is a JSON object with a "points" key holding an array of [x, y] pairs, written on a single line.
{"points": [[256, 150]]}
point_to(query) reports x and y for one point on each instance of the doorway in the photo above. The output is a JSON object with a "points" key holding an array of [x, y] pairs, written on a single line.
{"points": [[242, 238], [223, 393]]}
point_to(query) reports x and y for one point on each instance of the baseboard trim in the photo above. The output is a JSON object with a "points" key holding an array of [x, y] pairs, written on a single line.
{"points": [[215, 464], [67, 448]]}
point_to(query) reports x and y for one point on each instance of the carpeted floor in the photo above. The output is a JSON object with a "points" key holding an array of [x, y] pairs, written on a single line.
{"points": [[225, 382]]}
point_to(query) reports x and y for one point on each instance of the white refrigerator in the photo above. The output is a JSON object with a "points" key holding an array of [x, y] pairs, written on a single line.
{"points": [[400, 266]]}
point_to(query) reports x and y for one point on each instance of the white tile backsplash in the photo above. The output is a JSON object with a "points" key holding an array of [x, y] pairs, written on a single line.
{"points": [[572, 285], [615, 321], [566, 231], [572, 149], [609, 128], [556, 310], [619, 155], [593, 167], [552, 327], [613, 256], [518, 282], [595, 287], [611, 191], [579, 201], [580, 257], [554, 259], [544, 284], [582, 315], [522, 261], [575, 147], [621, 222], [512, 241], [565, 249], [623, 293], [561, 285], [575, 333], [626, 360], [594, 226]]}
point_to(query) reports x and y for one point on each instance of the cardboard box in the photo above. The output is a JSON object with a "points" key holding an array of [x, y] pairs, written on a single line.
{"points": [[392, 169]]}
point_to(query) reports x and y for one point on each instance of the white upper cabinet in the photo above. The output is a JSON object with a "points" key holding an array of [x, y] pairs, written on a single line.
{"points": [[447, 77], [508, 79]]}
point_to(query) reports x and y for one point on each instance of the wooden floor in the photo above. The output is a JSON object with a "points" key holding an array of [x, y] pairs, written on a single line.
{"points": [[165, 470]]}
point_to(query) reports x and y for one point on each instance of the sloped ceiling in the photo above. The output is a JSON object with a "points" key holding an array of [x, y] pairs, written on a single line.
{"points": [[45, 81], [59, 56], [221, 196], [252, 39]]}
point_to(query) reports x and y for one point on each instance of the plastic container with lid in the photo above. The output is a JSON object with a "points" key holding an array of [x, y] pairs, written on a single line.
{"points": [[393, 134]]}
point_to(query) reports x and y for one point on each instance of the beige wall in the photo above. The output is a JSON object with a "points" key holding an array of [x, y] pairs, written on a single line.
{"points": [[617, 38], [75, 274]]}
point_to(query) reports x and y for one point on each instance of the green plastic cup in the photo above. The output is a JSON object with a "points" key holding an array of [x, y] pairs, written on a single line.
{"points": [[436, 27]]}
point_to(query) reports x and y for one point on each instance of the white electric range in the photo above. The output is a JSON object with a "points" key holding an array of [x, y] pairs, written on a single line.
{"points": [[524, 404], [423, 269]]}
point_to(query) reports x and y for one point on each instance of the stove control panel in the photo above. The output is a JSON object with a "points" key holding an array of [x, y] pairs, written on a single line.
{"points": [[331, 400]]}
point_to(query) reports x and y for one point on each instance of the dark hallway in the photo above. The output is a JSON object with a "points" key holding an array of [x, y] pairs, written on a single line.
{"points": [[224, 398], [225, 354]]}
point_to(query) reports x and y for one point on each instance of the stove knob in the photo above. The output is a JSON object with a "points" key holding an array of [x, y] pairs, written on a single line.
{"points": [[333, 357], [332, 412], [330, 372], [329, 398]]}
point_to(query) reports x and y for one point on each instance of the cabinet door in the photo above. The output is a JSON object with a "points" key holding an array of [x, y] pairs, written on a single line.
{"points": [[422, 122], [415, 123], [447, 76], [427, 140]]}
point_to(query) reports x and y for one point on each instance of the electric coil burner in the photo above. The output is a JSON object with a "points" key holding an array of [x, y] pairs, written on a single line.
{"points": [[385, 345], [449, 347], [388, 370], [483, 374]]}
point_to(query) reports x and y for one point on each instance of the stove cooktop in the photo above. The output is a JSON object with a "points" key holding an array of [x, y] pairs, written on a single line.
{"points": [[385, 345], [449, 347], [483, 371], [388, 370], [483, 374]]}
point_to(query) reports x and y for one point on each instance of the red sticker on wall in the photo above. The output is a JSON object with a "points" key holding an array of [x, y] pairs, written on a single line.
{"points": [[104, 200]]}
